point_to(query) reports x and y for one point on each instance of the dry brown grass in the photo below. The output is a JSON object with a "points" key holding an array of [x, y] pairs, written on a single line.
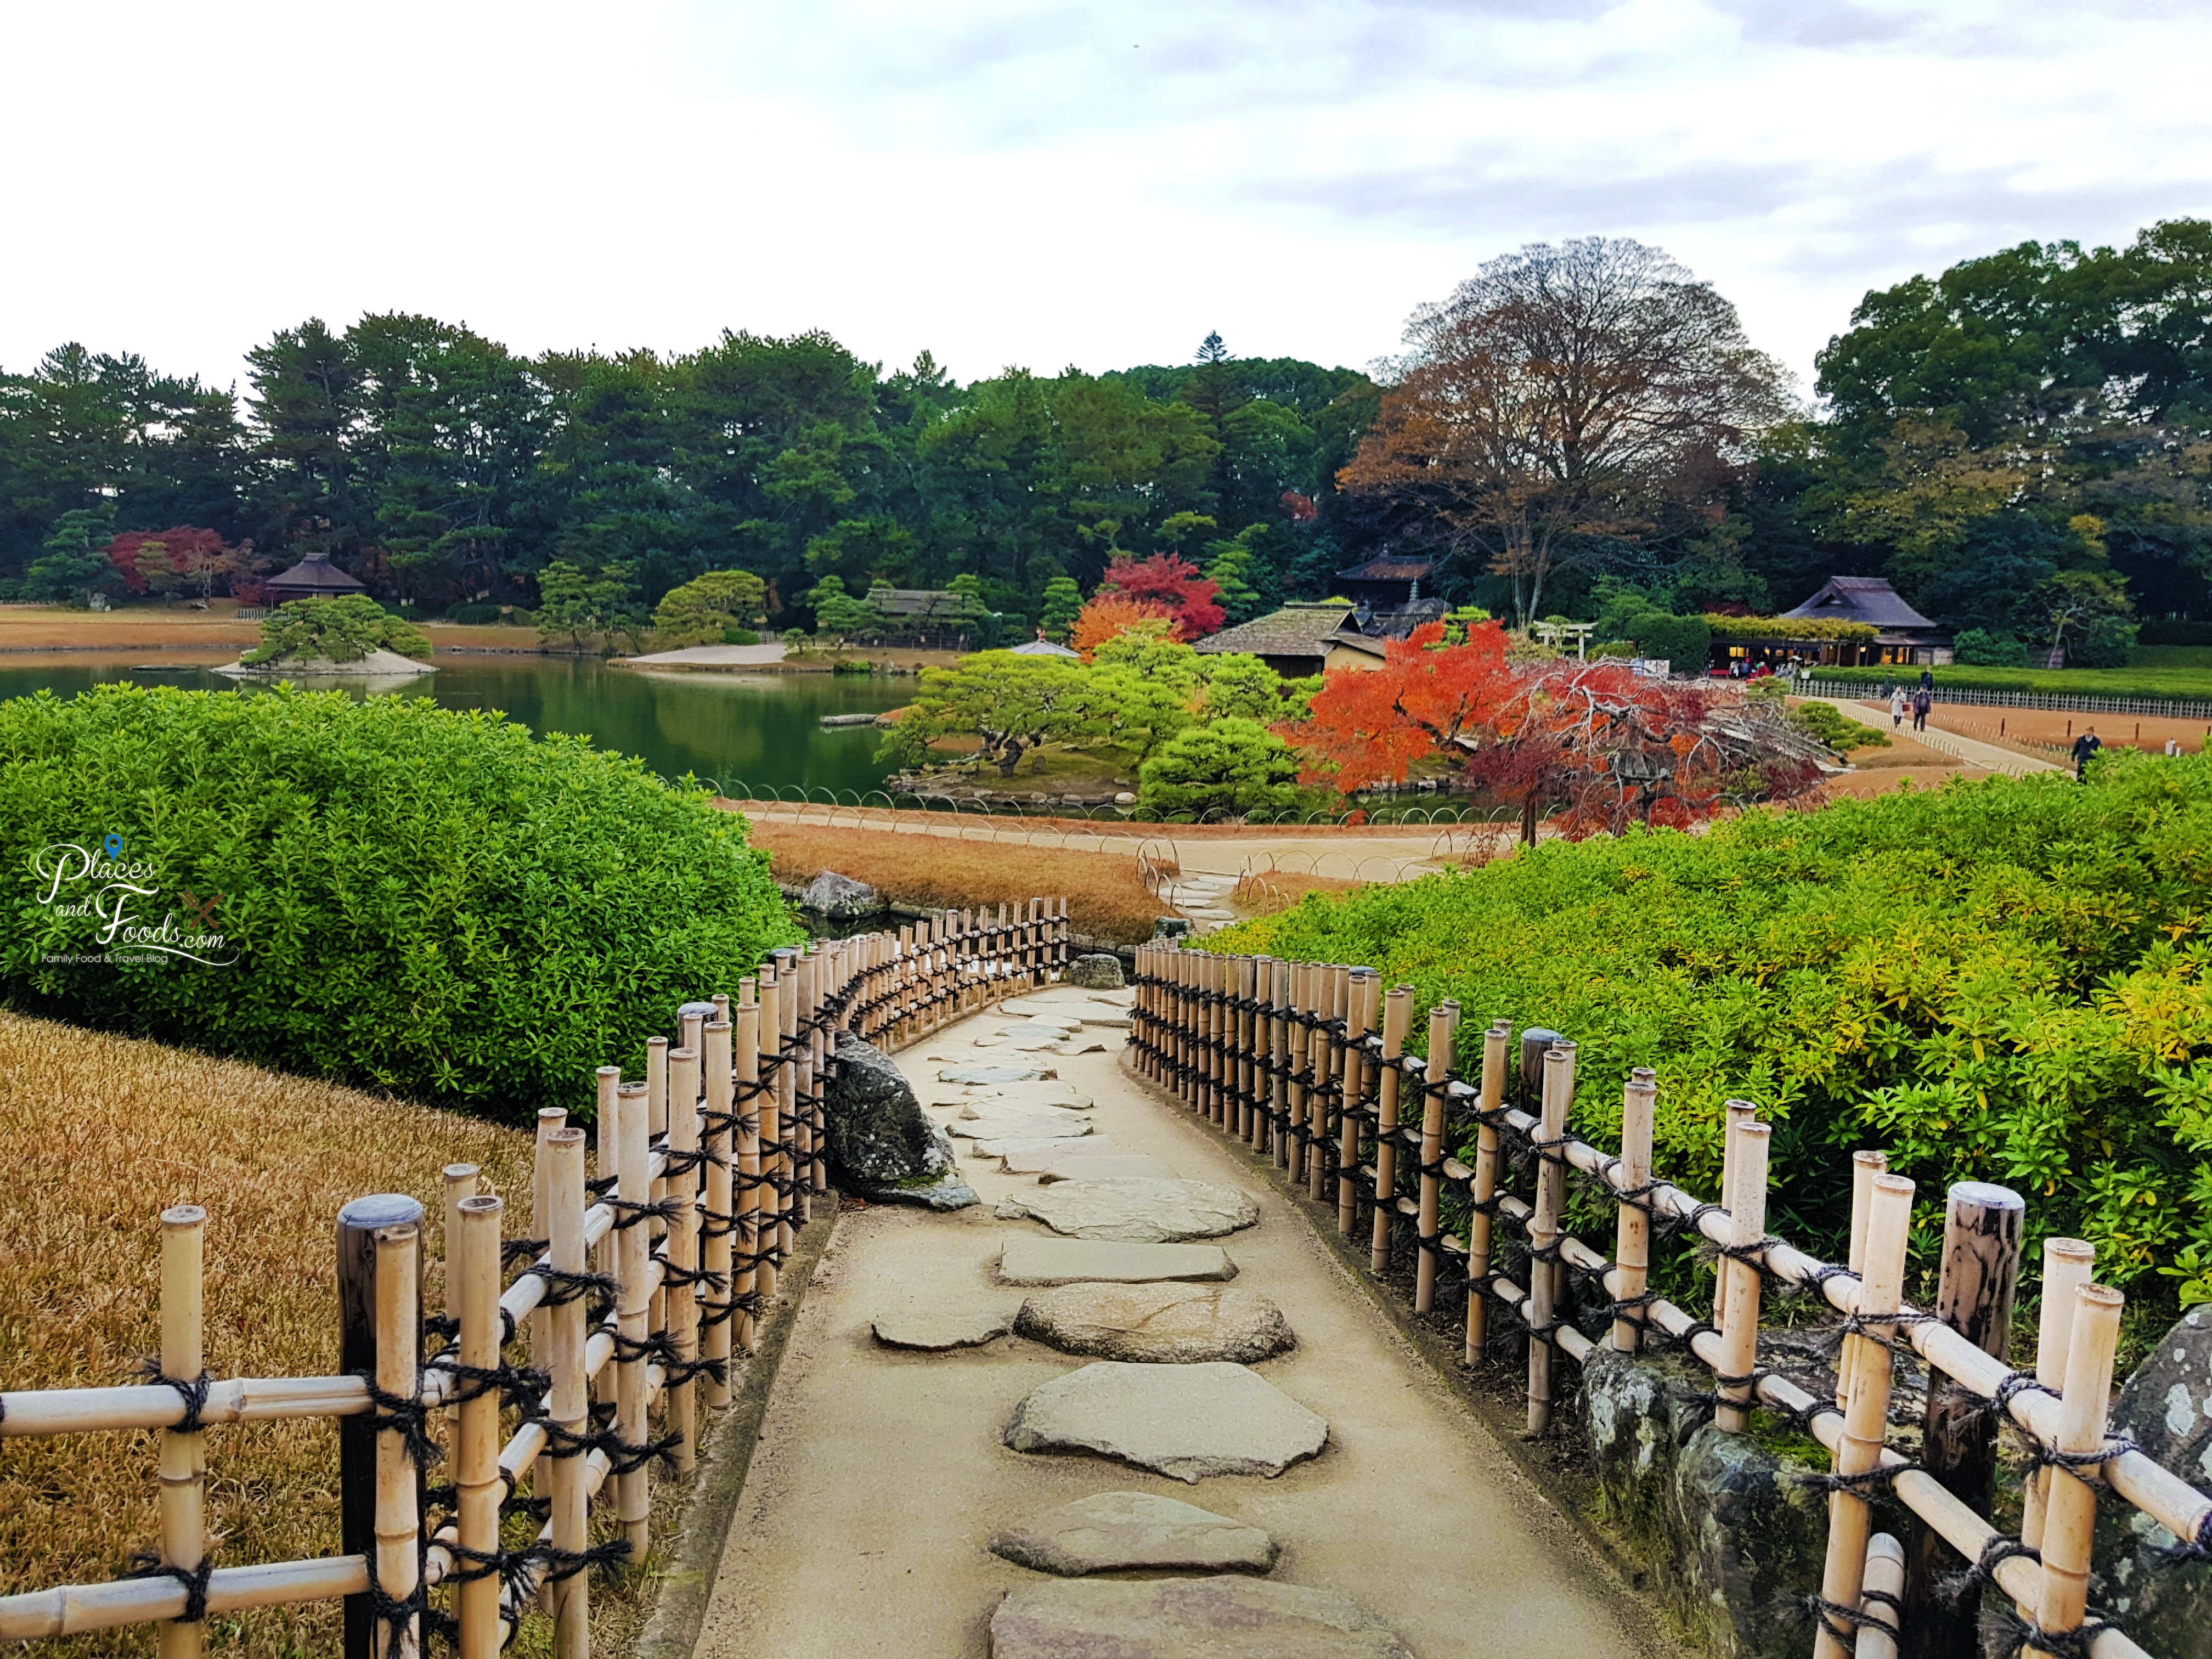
{"points": [[99, 1133], [1105, 898]]}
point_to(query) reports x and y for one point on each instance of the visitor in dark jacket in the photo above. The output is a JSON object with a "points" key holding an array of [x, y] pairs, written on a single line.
{"points": [[2085, 747]]}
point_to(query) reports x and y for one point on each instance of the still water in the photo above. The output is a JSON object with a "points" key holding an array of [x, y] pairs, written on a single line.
{"points": [[759, 729]]}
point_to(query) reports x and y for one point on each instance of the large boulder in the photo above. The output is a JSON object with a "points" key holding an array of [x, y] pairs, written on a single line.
{"points": [[1188, 1421], [839, 898], [1157, 1324], [2165, 1604], [883, 1146], [1225, 1618], [1099, 971]]}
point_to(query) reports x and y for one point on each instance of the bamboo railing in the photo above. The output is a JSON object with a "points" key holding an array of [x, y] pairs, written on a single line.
{"points": [[636, 1292], [1306, 1062]]}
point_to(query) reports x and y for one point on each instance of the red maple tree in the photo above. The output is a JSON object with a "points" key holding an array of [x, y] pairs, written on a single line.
{"points": [[1173, 583], [1607, 748], [160, 560], [1111, 613]]}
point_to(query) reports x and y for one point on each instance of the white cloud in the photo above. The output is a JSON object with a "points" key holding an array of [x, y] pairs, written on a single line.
{"points": [[1007, 182]]}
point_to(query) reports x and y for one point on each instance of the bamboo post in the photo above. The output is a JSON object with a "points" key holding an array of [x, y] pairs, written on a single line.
{"points": [[1866, 1420], [1301, 1002], [1397, 1015], [604, 1118], [1249, 970], [472, 1294], [550, 1118], [1443, 1029], [1631, 1247], [656, 1100], [1885, 1578], [633, 1311], [1958, 1441], [1865, 1166], [771, 991], [1544, 1230], [1324, 1098], [786, 1095], [1367, 988], [184, 1456], [569, 1397], [1278, 1044], [1746, 1203], [1739, 1113], [2070, 1505], [682, 1301], [361, 1266], [750, 1276], [1480, 1224], [818, 1073], [716, 1246], [2068, 1264], [398, 1481]]}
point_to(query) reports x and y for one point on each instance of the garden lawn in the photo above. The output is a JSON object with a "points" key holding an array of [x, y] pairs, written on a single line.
{"points": [[2177, 672], [2002, 980]]}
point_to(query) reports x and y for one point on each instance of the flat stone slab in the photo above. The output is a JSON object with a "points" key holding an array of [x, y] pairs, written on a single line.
{"points": [[1051, 1092], [1092, 1010], [1157, 1324], [1060, 1023], [1027, 1259], [934, 1333], [1038, 1159], [1225, 1618], [1114, 1531], [1028, 1127], [1052, 1148], [1081, 1165], [973, 1110], [1135, 1210], [1078, 1045], [1189, 1422], [992, 1073]]}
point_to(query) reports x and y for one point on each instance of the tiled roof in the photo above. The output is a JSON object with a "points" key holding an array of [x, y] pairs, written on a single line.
{"points": [[318, 572], [1296, 631], [1390, 567], [1043, 648], [1860, 600]]}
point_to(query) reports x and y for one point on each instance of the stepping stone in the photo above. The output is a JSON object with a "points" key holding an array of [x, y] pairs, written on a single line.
{"points": [[1015, 1126], [1027, 1038], [1060, 1023], [1140, 1211], [992, 1073], [914, 1327], [1081, 1165], [1185, 1421], [1157, 1324], [973, 1110], [1046, 1155], [1226, 1618], [1026, 1259], [1076, 1046], [1117, 1531], [1052, 1148], [1052, 1092]]}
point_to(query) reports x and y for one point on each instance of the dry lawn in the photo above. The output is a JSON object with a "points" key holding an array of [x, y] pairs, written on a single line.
{"points": [[1105, 899], [99, 1133]]}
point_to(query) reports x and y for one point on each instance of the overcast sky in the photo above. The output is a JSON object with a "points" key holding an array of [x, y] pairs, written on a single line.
{"points": [[1021, 181]]}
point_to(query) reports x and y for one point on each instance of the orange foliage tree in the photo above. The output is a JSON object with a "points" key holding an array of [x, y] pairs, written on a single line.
{"points": [[1111, 613], [1607, 748]]}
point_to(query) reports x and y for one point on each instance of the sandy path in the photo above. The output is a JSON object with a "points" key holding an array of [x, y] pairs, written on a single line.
{"points": [[880, 1474]]}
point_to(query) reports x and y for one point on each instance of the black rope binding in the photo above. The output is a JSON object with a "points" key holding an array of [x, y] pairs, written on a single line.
{"points": [[1952, 1587], [147, 1563], [406, 1414], [192, 1392]]}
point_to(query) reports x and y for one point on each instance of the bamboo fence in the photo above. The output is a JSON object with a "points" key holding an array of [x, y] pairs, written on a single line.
{"points": [[1307, 1062], [635, 1293]]}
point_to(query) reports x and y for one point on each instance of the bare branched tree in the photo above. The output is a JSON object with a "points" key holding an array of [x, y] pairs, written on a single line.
{"points": [[1562, 397]]}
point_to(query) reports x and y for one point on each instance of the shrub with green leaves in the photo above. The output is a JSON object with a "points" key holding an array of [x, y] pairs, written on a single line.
{"points": [[431, 901], [2003, 981], [1828, 724], [1232, 765], [335, 630], [1980, 648]]}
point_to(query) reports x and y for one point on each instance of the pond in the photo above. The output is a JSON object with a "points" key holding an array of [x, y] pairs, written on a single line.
{"points": [[761, 729]]}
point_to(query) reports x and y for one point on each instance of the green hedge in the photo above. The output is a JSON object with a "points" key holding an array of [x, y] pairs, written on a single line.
{"points": [[2146, 680], [2003, 981], [431, 901]]}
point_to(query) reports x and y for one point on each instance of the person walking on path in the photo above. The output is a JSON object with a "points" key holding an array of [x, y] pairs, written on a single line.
{"points": [[2085, 747], [1896, 707], [1923, 701]]}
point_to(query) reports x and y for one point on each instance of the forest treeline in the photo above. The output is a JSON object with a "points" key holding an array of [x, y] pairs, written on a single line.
{"points": [[2039, 415]]}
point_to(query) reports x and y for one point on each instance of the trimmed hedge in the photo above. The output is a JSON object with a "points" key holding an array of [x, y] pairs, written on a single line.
{"points": [[431, 902], [2007, 981]]}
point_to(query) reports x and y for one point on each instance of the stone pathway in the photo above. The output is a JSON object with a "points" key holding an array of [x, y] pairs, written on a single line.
{"points": [[1971, 750], [976, 1417]]}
